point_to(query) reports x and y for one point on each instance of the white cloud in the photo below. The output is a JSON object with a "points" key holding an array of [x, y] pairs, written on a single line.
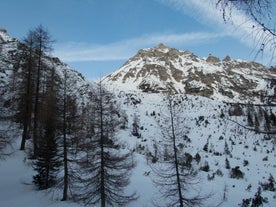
{"points": [[121, 50], [74, 52], [206, 12]]}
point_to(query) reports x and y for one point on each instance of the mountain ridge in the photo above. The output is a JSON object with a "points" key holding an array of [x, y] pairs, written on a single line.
{"points": [[165, 69]]}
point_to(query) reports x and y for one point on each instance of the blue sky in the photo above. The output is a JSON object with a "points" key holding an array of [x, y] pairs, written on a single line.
{"points": [[96, 37]]}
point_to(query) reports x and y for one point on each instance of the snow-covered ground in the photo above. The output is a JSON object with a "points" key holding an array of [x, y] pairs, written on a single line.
{"points": [[204, 123], [16, 189], [16, 173]]}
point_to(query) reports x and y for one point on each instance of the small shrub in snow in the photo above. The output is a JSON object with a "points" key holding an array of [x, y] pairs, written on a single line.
{"points": [[211, 177], [197, 158], [219, 172], [206, 122], [270, 185], [205, 147], [222, 115], [245, 202], [236, 173], [258, 199], [154, 159], [188, 160], [217, 154], [248, 188], [181, 145], [227, 164], [187, 139], [205, 167], [245, 163], [226, 149]]}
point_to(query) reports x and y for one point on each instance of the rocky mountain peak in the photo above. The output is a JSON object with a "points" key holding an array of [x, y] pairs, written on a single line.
{"points": [[160, 50], [212, 59], [162, 69], [161, 46], [227, 58]]}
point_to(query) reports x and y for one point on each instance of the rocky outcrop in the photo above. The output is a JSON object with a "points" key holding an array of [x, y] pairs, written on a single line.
{"points": [[212, 59], [227, 59]]}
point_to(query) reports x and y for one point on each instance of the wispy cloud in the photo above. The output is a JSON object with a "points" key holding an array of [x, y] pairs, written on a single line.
{"points": [[121, 50], [206, 12], [240, 27]]}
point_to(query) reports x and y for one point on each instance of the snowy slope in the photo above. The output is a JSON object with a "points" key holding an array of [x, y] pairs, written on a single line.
{"points": [[16, 183], [204, 124]]}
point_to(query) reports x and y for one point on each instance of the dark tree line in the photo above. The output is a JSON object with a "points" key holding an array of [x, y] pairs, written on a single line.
{"points": [[34, 47], [66, 137]]}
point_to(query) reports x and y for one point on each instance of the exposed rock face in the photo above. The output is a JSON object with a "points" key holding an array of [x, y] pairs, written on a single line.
{"points": [[227, 58], [212, 59], [164, 69]]}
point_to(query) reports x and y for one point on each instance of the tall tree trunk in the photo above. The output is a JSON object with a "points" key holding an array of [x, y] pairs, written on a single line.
{"points": [[175, 155], [102, 151], [35, 137], [65, 158], [28, 102]]}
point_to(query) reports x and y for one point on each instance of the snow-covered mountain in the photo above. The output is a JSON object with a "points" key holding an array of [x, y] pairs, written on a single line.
{"points": [[218, 124], [163, 69], [222, 105], [11, 73]]}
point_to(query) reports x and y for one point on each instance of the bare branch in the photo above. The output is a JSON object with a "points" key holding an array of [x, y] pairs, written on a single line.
{"points": [[262, 13]]}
